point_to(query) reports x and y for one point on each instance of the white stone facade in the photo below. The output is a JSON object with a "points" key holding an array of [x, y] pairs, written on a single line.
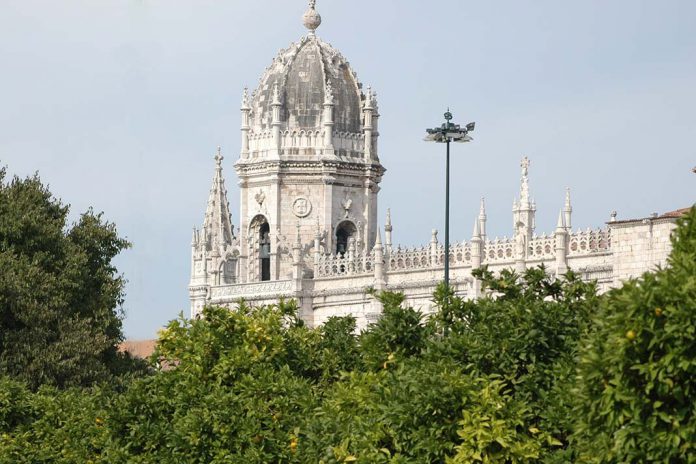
{"points": [[309, 175]]}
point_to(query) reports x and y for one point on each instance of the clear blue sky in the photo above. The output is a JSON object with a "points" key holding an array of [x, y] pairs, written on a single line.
{"points": [[120, 105]]}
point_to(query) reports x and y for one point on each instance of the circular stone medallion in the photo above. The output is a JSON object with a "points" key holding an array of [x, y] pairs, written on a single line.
{"points": [[301, 207]]}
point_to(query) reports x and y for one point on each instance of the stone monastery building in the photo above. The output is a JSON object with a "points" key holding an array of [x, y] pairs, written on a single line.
{"points": [[309, 174]]}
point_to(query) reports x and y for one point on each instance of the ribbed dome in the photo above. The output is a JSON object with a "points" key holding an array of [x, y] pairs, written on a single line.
{"points": [[303, 72]]}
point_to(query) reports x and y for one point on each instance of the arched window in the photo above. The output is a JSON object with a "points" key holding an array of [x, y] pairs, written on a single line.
{"points": [[259, 238], [344, 231], [265, 251]]}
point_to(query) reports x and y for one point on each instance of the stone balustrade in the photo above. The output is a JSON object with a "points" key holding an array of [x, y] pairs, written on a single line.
{"points": [[305, 142], [409, 258], [344, 264], [499, 250], [542, 247], [589, 241], [495, 252]]}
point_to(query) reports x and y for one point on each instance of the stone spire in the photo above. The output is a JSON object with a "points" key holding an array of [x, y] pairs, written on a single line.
{"points": [[388, 231], [567, 209], [217, 225], [311, 19], [476, 234], [524, 210], [482, 219], [560, 224], [524, 187]]}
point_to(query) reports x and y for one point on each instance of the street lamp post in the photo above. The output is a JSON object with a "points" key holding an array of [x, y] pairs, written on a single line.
{"points": [[448, 133]]}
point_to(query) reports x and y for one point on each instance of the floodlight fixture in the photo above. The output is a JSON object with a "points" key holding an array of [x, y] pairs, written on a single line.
{"points": [[448, 133]]}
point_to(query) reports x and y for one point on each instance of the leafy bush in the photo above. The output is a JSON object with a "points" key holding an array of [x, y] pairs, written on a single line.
{"points": [[540, 370], [636, 393]]}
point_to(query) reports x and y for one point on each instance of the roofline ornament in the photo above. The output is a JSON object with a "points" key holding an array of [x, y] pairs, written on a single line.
{"points": [[311, 19]]}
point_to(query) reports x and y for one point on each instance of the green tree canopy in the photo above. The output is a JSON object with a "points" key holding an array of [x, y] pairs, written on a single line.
{"points": [[636, 392], [60, 294]]}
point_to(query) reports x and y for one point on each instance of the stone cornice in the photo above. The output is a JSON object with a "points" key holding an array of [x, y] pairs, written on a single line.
{"points": [[246, 168]]}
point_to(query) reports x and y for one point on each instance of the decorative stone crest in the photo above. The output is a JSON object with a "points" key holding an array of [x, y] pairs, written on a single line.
{"points": [[260, 197], [347, 202], [301, 207]]}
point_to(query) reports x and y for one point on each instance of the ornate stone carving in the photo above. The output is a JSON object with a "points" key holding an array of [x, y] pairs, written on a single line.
{"points": [[301, 207], [347, 202], [271, 288], [260, 197]]}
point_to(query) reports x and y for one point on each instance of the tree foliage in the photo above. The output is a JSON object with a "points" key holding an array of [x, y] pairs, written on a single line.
{"points": [[636, 391], [540, 370], [60, 295]]}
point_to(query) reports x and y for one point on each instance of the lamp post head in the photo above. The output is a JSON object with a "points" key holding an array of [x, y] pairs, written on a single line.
{"points": [[450, 132]]}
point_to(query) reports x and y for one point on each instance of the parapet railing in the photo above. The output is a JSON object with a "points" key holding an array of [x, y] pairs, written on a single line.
{"points": [[496, 251], [589, 241]]}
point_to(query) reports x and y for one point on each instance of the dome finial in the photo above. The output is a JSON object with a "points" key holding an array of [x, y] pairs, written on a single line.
{"points": [[311, 18]]}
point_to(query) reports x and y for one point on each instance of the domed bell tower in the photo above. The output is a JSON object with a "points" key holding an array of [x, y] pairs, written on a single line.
{"points": [[309, 165]]}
